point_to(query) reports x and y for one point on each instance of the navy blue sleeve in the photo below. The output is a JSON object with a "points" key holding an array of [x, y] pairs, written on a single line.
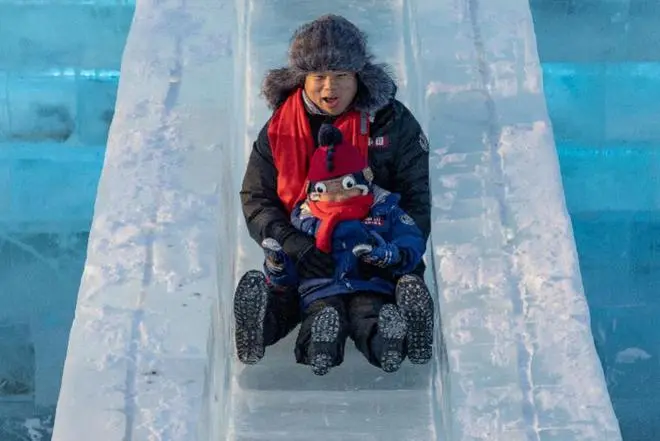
{"points": [[306, 224], [408, 237]]}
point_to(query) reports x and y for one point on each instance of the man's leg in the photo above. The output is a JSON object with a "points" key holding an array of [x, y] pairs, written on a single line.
{"points": [[263, 317], [283, 314], [378, 329], [416, 306]]}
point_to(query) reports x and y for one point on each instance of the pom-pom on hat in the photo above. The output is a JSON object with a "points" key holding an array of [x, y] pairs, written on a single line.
{"points": [[334, 157]]}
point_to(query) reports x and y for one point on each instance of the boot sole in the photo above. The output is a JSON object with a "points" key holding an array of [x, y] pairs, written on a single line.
{"points": [[416, 307], [250, 303], [325, 332], [392, 328]]}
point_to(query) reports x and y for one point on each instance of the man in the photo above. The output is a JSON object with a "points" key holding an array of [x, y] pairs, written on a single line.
{"points": [[330, 79]]}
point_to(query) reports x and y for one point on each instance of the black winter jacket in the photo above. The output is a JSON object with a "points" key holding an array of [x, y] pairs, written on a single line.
{"points": [[398, 156]]}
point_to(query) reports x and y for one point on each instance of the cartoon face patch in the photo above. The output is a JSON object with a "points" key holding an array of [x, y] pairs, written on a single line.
{"points": [[339, 189]]}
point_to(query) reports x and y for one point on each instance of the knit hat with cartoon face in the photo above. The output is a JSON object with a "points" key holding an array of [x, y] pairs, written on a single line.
{"points": [[331, 43], [335, 157]]}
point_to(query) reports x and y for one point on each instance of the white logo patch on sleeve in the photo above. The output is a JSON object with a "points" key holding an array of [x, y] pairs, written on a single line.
{"points": [[423, 142], [406, 219]]}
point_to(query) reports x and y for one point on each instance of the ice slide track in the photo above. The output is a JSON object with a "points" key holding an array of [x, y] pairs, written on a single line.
{"points": [[277, 400]]}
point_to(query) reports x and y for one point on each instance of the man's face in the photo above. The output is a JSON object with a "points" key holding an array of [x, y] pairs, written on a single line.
{"points": [[331, 91]]}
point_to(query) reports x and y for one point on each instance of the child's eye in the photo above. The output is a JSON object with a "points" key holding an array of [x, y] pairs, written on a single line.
{"points": [[320, 187], [348, 182]]}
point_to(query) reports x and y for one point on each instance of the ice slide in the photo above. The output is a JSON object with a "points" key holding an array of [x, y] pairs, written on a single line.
{"points": [[150, 355]]}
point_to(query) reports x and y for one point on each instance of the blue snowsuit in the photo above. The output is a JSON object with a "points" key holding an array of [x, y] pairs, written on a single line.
{"points": [[386, 219]]}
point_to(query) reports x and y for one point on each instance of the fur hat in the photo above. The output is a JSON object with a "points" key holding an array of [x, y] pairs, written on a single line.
{"points": [[334, 157], [331, 42]]}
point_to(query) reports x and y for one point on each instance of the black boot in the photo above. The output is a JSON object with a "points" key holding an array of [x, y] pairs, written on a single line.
{"points": [[250, 304], [392, 333], [324, 340], [378, 329], [416, 306]]}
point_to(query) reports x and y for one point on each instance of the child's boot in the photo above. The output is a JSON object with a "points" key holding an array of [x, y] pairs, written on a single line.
{"points": [[392, 331], [324, 342], [416, 306]]}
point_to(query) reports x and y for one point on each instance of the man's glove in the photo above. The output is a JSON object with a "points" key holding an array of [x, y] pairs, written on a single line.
{"points": [[279, 268], [311, 263], [382, 255], [276, 258]]}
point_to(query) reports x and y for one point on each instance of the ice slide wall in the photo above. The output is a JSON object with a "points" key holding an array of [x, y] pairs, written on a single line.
{"points": [[150, 354]]}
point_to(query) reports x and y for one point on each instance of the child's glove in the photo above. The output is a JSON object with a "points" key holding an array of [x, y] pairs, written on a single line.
{"points": [[383, 255]]}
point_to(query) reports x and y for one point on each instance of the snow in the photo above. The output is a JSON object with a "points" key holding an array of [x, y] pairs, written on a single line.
{"points": [[632, 355], [151, 355]]}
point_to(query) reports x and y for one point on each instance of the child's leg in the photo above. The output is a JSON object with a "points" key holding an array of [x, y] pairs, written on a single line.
{"points": [[377, 329], [323, 334], [262, 316], [416, 306]]}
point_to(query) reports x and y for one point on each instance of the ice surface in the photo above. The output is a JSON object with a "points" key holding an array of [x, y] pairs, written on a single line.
{"points": [[151, 354], [57, 94], [62, 33], [277, 400], [39, 278], [597, 30], [602, 95], [604, 104], [59, 73], [512, 298]]}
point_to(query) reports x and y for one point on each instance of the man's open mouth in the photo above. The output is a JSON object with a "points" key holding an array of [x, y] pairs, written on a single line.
{"points": [[330, 100]]}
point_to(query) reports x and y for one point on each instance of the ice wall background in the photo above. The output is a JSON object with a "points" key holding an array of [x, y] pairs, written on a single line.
{"points": [[601, 78], [59, 71]]}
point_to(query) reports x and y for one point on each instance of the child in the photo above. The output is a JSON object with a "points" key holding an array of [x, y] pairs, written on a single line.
{"points": [[357, 222]]}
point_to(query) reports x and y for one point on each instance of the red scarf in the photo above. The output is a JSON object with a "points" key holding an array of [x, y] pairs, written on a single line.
{"points": [[292, 145], [330, 213]]}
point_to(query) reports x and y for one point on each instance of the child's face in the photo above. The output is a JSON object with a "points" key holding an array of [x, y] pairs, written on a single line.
{"points": [[337, 190]]}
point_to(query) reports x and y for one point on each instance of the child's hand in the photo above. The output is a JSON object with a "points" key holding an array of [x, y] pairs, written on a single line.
{"points": [[382, 255]]}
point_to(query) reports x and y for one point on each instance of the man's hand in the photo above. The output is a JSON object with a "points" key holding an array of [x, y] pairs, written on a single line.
{"points": [[310, 261]]}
